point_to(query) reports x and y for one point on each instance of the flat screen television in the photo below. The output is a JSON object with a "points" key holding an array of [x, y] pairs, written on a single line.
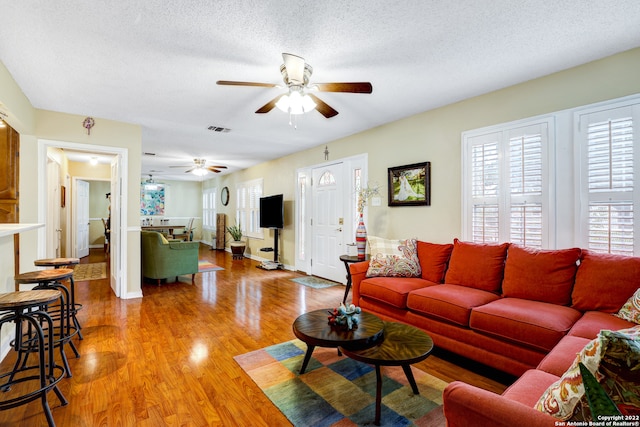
{"points": [[272, 211]]}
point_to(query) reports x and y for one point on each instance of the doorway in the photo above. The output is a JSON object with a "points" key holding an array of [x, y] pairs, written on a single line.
{"points": [[326, 215], [118, 265]]}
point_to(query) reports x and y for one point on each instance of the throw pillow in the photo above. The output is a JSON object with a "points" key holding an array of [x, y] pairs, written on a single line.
{"points": [[630, 311], [612, 358], [393, 258], [604, 281], [477, 265], [540, 275], [433, 260]]}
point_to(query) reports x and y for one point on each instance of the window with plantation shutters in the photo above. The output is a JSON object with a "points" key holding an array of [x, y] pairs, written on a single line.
{"points": [[506, 184], [248, 207], [609, 194], [209, 198]]}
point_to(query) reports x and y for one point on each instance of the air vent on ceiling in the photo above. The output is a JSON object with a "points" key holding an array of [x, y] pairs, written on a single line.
{"points": [[219, 129], [149, 154]]}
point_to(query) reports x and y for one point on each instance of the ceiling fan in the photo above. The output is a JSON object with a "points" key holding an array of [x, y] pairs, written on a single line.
{"points": [[298, 99], [199, 167]]}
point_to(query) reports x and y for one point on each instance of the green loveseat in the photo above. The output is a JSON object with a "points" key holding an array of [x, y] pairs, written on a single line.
{"points": [[162, 259]]}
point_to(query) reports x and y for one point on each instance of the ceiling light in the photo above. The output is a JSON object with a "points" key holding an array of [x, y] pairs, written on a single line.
{"points": [[296, 102], [93, 161], [200, 171]]}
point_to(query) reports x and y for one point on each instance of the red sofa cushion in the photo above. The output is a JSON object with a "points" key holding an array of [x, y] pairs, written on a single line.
{"points": [[592, 322], [540, 275], [604, 282], [391, 290], [563, 355], [476, 265], [451, 303], [529, 387], [433, 260], [536, 324]]}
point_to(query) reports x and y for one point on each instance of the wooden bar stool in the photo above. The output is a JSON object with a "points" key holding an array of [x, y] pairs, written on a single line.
{"points": [[66, 263], [29, 307], [61, 314]]}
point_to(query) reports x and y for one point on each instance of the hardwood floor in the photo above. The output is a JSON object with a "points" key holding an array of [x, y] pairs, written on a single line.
{"points": [[167, 359]]}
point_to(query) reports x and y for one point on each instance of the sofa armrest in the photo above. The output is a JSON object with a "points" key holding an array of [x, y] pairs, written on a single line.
{"points": [[466, 405], [358, 271]]}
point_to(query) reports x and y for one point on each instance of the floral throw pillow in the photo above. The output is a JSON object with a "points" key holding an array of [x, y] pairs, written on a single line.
{"points": [[630, 311], [393, 258], [614, 359]]}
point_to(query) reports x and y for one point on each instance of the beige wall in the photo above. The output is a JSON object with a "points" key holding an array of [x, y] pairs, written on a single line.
{"points": [[183, 200], [435, 136]]}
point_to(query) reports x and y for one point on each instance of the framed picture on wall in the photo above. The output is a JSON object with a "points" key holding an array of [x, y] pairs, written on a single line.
{"points": [[410, 185]]}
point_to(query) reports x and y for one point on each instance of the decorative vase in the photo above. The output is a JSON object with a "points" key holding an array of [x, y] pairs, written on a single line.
{"points": [[361, 238]]}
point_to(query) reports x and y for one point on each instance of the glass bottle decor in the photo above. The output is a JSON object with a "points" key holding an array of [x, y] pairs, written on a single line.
{"points": [[361, 238]]}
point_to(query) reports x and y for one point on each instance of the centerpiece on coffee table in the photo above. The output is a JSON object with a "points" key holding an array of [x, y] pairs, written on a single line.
{"points": [[344, 317]]}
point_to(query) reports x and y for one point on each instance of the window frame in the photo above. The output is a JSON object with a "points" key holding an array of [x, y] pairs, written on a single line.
{"points": [[504, 201], [248, 207]]}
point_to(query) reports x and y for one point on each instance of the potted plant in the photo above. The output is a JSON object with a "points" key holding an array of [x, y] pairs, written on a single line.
{"points": [[237, 246]]}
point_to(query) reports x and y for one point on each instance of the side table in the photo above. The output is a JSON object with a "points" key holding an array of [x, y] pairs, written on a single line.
{"points": [[350, 259]]}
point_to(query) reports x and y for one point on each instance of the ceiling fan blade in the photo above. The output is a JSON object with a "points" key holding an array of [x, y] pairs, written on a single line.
{"points": [[234, 83], [322, 107], [269, 105], [213, 169], [185, 166], [189, 170], [295, 68], [355, 87], [218, 166]]}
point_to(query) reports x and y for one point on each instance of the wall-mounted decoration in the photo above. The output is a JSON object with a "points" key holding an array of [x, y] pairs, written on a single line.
{"points": [[63, 196], [152, 199], [410, 185], [88, 123], [224, 196]]}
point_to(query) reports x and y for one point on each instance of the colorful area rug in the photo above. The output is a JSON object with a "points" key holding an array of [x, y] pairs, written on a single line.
{"points": [[336, 390], [92, 271], [207, 266], [315, 282]]}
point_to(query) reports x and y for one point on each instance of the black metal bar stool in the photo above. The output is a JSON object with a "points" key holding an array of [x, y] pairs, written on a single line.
{"points": [[61, 313], [66, 263], [29, 307]]}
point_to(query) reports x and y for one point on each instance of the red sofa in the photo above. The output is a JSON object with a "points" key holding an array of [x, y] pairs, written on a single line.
{"points": [[525, 312]]}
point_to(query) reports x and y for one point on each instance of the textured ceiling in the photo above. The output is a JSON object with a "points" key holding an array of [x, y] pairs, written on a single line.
{"points": [[156, 63]]}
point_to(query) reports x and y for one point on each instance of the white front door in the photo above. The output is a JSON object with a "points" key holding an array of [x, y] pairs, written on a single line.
{"points": [[82, 218], [328, 222]]}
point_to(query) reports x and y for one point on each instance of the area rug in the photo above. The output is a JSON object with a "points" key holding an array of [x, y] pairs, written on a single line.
{"points": [[336, 390], [91, 271], [207, 266], [315, 282]]}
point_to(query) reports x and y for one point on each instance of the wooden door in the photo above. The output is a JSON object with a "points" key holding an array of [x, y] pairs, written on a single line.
{"points": [[10, 167]]}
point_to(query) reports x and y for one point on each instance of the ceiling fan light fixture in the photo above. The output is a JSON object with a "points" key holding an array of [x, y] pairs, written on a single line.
{"points": [[200, 171], [296, 103]]}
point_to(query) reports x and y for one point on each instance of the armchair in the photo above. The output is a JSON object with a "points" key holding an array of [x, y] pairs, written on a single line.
{"points": [[162, 259]]}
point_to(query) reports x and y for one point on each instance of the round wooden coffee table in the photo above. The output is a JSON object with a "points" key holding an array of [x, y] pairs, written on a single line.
{"points": [[313, 329], [403, 345]]}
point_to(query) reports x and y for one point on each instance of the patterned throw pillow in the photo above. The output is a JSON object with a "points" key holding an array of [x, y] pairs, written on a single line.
{"points": [[613, 357], [393, 258], [630, 311]]}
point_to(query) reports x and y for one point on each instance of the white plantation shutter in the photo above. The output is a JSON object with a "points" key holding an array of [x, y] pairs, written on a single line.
{"points": [[209, 197], [525, 186], [248, 207], [485, 181], [507, 190], [610, 162]]}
